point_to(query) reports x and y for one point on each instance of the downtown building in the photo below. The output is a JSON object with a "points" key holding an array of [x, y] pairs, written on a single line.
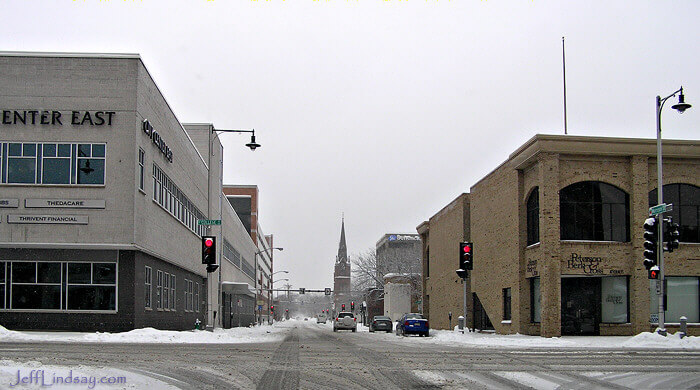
{"points": [[101, 191], [558, 240]]}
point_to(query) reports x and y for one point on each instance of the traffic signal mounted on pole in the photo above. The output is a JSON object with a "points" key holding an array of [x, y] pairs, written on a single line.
{"points": [[651, 243], [654, 273], [466, 256], [343, 307], [671, 234], [208, 250], [352, 306]]}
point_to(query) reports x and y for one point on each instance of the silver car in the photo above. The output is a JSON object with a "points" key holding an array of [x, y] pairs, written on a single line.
{"points": [[345, 320]]}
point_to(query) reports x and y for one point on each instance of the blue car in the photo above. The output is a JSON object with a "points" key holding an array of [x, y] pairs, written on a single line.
{"points": [[412, 323]]}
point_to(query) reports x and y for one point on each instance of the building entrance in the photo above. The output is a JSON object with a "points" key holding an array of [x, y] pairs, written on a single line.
{"points": [[580, 306]]}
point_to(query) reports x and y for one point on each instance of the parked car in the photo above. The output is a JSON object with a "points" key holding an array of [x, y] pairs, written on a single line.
{"points": [[381, 323], [412, 323], [345, 320], [321, 319]]}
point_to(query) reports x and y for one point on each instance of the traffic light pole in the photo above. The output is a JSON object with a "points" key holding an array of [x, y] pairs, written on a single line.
{"points": [[660, 241], [464, 283]]}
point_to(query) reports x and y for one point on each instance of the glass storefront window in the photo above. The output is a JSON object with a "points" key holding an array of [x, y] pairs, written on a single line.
{"points": [[614, 300], [41, 285], [24, 272], [682, 299], [92, 298], [79, 273]]}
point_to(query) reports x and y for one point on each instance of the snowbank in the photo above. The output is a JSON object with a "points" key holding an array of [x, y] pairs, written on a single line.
{"points": [[255, 334], [486, 340]]}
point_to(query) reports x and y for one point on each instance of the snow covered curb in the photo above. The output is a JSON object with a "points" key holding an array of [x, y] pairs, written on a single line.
{"points": [[255, 334]]}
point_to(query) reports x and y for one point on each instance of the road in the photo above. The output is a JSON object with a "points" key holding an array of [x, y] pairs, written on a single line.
{"points": [[312, 356]]}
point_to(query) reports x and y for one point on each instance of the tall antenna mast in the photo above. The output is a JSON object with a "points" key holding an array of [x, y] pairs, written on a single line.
{"points": [[563, 56]]}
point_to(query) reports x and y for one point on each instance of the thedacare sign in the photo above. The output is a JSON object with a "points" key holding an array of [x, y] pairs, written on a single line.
{"points": [[157, 140]]}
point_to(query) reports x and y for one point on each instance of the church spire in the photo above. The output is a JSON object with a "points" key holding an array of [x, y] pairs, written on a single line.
{"points": [[342, 247]]}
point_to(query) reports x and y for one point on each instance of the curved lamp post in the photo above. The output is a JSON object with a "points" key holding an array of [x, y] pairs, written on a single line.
{"points": [[681, 106]]}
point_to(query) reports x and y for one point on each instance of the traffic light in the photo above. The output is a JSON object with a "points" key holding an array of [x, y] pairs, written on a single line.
{"points": [[208, 250], [650, 242], [272, 309], [343, 307], [671, 234], [654, 273], [466, 256], [352, 306]]}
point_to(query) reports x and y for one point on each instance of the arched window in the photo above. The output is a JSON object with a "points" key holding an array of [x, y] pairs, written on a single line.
{"points": [[533, 217], [686, 208], [595, 211]]}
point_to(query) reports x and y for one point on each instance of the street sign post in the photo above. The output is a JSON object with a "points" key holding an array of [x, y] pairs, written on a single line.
{"points": [[660, 208], [208, 222]]}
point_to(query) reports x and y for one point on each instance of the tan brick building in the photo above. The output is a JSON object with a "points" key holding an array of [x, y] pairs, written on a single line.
{"points": [[557, 232]]}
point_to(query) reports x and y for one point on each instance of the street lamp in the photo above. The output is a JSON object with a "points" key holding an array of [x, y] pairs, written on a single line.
{"points": [[269, 293], [252, 144], [681, 106]]}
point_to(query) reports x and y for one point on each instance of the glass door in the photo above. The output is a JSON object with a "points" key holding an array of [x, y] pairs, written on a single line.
{"points": [[580, 306]]}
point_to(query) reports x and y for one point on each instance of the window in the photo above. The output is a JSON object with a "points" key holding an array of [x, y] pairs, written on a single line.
{"points": [[682, 299], [171, 199], [535, 300], [142, 159], [189, 285], [52, 163], [196, 297], [91, 164], [506, 304], [166, 291], [159, 289], [21, 163], [427, 263], [92, 286], [172, 292], [56, 163], [2, 285], [686, 209], [36, 285], [148, 287], [533, 217], [594, 211], [58, 285], [615, 300]]}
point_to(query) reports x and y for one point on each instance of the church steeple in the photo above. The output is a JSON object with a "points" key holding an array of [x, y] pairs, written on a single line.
{"points": [[342, 247]]}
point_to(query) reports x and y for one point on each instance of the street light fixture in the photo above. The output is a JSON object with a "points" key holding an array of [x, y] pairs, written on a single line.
{"points": [[681, 106], [252, 144]]}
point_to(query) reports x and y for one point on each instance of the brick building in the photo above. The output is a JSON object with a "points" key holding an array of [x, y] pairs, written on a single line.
{"points": [[557, 232]]}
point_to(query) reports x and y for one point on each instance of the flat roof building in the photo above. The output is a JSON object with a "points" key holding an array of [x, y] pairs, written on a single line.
{"points": [[558, 237], [102, 190]]}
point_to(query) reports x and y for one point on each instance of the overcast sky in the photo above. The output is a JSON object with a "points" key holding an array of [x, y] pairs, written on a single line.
{"points": [[384, 110]]}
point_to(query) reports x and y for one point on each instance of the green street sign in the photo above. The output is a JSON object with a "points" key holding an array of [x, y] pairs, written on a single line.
{"points": [[208, 222], [660, 208]]}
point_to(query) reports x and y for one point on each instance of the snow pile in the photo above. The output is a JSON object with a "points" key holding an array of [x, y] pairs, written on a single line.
{"points": [[653, 340], [486, 340], [151, 335]]}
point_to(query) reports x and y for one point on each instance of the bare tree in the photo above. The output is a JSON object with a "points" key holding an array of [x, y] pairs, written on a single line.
{"points": [[368, 271]]}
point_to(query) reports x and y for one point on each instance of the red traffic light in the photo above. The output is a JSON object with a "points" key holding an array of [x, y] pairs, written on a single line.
{"points": [[208, 242], [653, 274], [467, 248]]}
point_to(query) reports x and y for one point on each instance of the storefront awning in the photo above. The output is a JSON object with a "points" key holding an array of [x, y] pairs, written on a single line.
{"points": [[238, 288]]}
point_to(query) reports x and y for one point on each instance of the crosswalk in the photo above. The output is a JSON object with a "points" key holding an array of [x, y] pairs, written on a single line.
{"points": [[551, 380]]}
